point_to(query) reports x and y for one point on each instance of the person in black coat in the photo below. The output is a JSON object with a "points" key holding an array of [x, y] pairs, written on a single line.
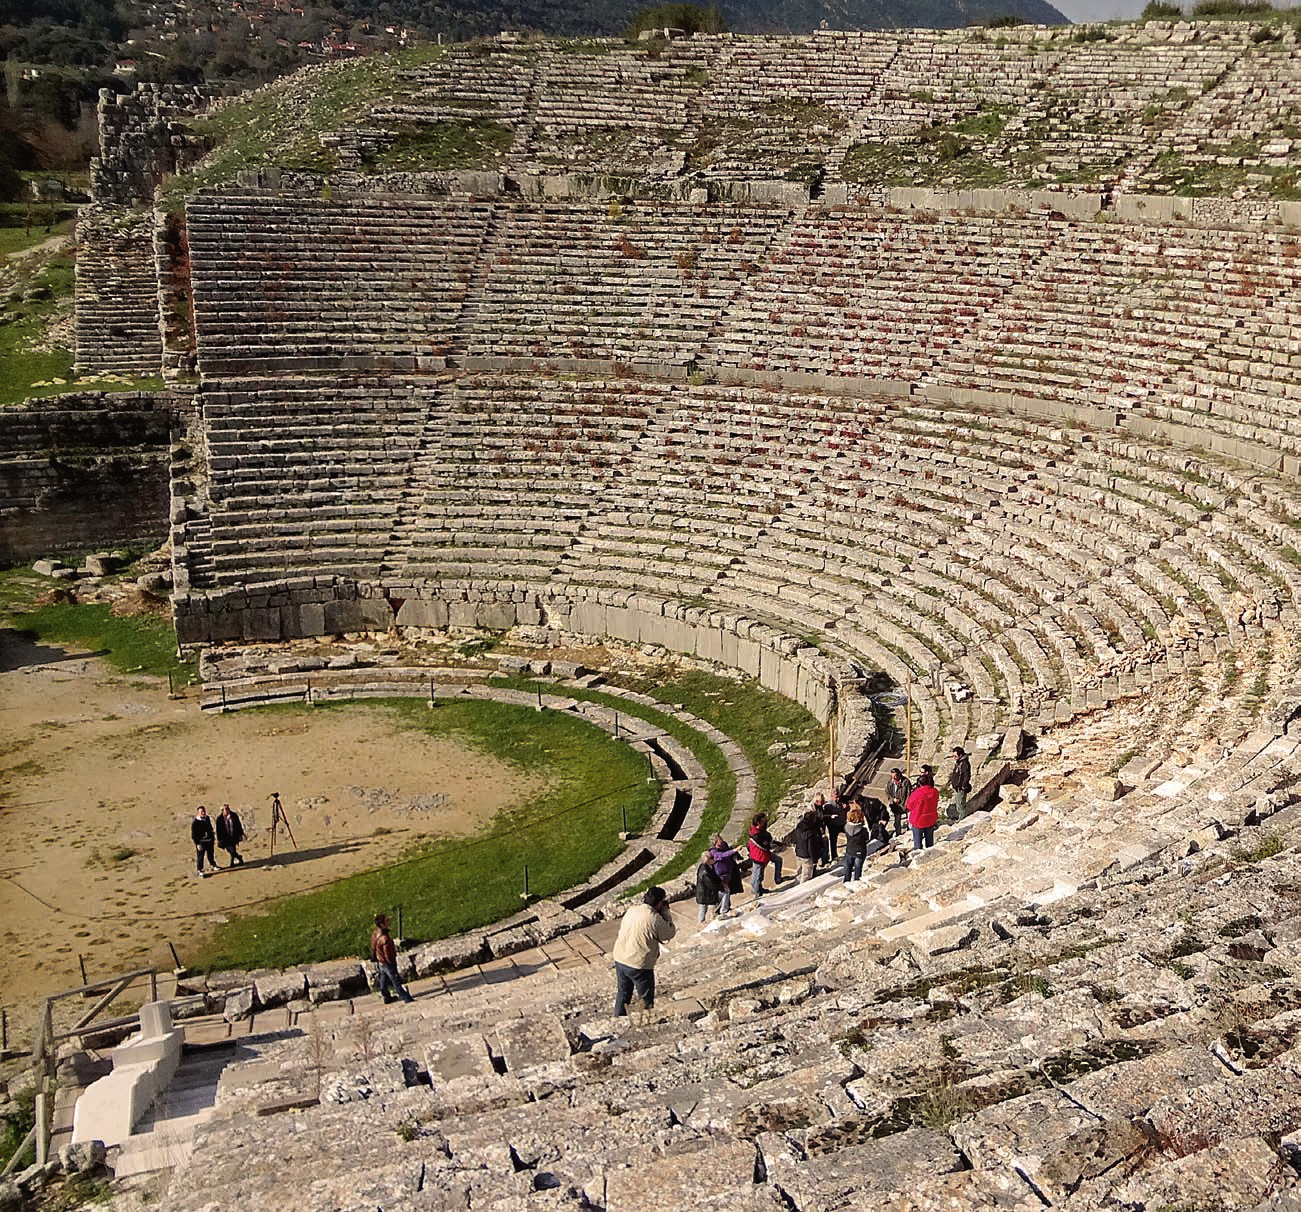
{"points": [[709, 888], [877, 816], [230, 832], [201, 833], [809, 843]]}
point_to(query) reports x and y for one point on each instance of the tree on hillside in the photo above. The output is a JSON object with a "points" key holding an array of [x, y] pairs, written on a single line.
{"points": [[690, 18], [15, 154]]}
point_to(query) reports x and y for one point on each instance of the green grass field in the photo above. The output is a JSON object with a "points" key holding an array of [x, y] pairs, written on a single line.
{"points": [[563, 834], [753, 717], [144, 643]]}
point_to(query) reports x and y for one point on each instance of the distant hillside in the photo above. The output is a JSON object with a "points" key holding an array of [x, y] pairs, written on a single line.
{"points": [[464, 18]]}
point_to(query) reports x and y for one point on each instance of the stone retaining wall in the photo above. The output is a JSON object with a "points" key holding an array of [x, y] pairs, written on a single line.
{"points": [[83, 470], [144, 140], [311, 606]]}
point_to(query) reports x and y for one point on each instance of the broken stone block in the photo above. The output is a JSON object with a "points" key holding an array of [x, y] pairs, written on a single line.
{"points": [[240, 1003], [102, 564]]}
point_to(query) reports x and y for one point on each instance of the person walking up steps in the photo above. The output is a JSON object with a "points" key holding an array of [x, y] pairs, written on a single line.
{"points": [[202, 835]]}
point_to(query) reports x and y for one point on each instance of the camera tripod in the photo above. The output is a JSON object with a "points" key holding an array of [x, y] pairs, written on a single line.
{"points": [[280, 817]]}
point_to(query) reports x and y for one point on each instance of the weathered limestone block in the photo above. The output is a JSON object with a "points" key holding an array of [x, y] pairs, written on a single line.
{"points": [[451, 953], [1269, 1099], [702, 1178], [457, 1057], [533, 1040], [277, 988], [849, 1175], [1233, 1173], [240, 1003], [423, 612], [331, 981]]}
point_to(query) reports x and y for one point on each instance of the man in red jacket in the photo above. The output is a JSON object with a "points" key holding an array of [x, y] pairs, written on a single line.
{"points": [[924, 811]]}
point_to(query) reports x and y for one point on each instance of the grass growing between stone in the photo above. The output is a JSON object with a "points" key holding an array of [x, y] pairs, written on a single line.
{"points": [[563, 834], [755, 718], [132, 643], [280, 124]]}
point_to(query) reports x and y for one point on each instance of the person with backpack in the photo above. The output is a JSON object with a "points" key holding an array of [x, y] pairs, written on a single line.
{"points": [[763, 850]]}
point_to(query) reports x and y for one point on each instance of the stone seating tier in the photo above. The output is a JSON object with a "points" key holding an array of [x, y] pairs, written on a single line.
{"points": [[1158, 324], [906, 576]]}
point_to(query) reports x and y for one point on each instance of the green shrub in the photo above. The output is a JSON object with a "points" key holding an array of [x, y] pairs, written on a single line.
{"points": [[1231, 9], [1160, 10], [690, 18]]}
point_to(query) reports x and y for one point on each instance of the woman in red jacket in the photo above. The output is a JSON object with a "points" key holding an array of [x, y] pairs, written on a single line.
{"points": [[924, 811]]}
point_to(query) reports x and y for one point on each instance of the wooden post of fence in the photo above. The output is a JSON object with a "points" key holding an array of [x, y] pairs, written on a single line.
{"points": [[42, 1140], [908, 734]]}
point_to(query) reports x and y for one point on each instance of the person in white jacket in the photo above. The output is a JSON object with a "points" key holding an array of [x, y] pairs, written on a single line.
{"points": [[643, 929]]}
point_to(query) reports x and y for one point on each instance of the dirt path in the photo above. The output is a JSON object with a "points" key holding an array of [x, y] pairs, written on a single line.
{"points": [[100, 775]]}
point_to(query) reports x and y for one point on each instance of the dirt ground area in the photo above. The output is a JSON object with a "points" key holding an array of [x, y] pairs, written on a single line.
{"points": [[100, 774]]}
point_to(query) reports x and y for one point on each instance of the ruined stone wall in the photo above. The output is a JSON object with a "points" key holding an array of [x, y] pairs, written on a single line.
{"points": [[83, 470], [143, 140]]}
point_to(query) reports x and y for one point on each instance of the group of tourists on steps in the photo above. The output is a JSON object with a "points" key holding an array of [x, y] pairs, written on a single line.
{"points": [[858, 820]]}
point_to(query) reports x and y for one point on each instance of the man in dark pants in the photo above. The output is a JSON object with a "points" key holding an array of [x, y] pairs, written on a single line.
{"points": [[960, 781], [897, 791], [230, 832], [385, 951], [643, 929], [203, 837]]}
